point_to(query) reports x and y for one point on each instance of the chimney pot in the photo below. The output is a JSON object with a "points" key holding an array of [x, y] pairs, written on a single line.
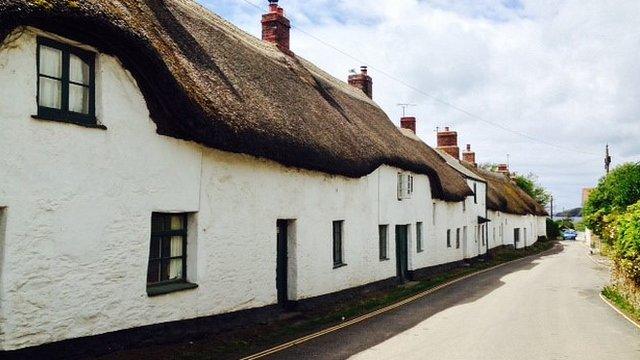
{"points": [[362, 81], [276, 27], [469, 156], [448, 142], [503, 168]]}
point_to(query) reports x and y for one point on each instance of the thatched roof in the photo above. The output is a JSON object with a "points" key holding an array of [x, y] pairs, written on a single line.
{"points": [[505, 196], [205, 80], [457, 165]]}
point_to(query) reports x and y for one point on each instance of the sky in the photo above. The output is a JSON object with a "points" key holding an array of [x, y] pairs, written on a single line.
{"points": [[543, 84]]}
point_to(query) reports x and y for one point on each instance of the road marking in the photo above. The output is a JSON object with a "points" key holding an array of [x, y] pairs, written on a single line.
{"points": [[619, 311], [364, 317]]}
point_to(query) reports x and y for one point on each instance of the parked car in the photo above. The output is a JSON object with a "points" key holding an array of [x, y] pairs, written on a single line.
{"points": [[569, 234]]}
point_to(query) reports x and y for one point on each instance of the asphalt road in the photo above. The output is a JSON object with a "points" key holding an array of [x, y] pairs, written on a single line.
{"points": [[542, 308]]}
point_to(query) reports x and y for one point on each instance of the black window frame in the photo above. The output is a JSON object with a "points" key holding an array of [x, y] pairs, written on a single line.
{"points": [[171, 285], [64, 114], [419, 236], [475, 192], [448, 238], [338, 243], [383, 242]]}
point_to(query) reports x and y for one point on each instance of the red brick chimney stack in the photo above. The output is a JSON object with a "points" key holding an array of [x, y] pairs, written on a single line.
{"points": [[503, 168], [362, 81], [276, 27], [448, 142], [469, 156], [408, 122]]}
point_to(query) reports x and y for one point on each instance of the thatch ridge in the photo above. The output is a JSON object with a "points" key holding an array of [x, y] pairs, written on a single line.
{"points": [[204, 80]]}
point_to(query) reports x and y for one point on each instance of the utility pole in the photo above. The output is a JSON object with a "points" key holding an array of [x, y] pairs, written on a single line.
{"points": [[607, 160], [552, 208]]}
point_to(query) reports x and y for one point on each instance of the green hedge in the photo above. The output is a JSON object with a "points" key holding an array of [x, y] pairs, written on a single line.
{"points": [[627, 243]]}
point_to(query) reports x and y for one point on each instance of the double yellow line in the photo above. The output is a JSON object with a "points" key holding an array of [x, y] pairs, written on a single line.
{"points": [[362, 318]]}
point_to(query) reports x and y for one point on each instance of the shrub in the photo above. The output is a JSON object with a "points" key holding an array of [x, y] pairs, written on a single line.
{"points": [[553, 230], [626, 250], [614, 194]]}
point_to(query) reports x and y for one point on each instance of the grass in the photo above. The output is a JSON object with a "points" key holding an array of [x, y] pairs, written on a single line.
{"points": [[617, 299], [238, 343]]}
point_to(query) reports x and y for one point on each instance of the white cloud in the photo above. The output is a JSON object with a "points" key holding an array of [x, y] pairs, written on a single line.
{"points": [[563, 71]]}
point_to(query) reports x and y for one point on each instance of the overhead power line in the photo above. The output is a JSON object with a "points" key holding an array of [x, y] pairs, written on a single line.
{"points": [[434, 98]]}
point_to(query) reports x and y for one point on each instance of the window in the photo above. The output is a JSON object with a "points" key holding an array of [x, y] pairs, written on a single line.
{"points": [[167, 270], [383, 235], [405, 186], [458, 238], [464, 205], [475, 193], [66, 83], [449, 238], [337, 244], [419, 236]]}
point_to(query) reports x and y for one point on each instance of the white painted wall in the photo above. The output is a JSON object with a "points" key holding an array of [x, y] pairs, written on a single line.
{"points": [[78, 202], [506, 223]]}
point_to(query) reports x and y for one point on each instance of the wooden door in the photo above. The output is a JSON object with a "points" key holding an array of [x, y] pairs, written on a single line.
{"points": [[402, 255]]}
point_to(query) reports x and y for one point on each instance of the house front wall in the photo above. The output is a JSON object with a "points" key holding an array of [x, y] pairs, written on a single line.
{"points": [[530, 228], [76, 205]]}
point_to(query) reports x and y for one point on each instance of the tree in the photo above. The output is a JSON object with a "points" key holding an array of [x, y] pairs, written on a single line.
{"points": [[529, 183], [617, 190]]}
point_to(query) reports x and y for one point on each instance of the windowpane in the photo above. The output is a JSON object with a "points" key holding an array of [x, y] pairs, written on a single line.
{"points": [[177, 222], [155, 247], [79, 99], [153, 274], [50, 94], [50, 62], [78, 70], [157, 223], [166, 247], [337, 242], [164, 270], [419, 236], [382, 238], [175, 269], [176, 246]]}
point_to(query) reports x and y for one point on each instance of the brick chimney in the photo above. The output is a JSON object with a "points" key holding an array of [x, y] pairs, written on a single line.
{"points": [[469, 156], [276, 27], [408, 122], [362, 81], [503, 168], [448, 142]]}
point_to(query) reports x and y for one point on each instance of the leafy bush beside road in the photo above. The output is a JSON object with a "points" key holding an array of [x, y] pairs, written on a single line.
{"points": [[613, 213]]}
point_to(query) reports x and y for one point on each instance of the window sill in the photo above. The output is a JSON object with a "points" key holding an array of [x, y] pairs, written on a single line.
{"points": [[66, 121], [420, 251], [161, 289], [385, 259], [337, 266]]}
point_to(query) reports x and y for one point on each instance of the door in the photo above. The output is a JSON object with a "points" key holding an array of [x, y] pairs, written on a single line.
{"points": [[282, 272], [516, 237], [464, 243], [402, 256]]}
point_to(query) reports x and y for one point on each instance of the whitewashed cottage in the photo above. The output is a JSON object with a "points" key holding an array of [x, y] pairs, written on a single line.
{"points": [[163, 171]]}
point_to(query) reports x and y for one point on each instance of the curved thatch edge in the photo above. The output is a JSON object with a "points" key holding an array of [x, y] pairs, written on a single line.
{"points": [[111, 36]]}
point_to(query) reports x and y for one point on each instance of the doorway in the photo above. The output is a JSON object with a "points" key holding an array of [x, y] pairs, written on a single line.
{"points": [[516, 237], [402, 255], [282, 267], [465, 252]]}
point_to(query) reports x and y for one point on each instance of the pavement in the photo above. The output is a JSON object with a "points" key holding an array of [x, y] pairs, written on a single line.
{"points": [[547, 307]]}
